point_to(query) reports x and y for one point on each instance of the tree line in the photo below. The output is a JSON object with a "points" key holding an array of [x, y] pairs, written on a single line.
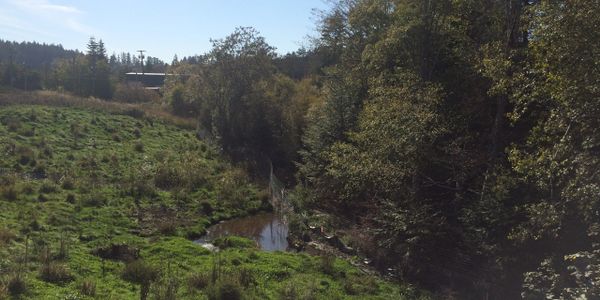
{"points": [[34, 66], [459, 136]]}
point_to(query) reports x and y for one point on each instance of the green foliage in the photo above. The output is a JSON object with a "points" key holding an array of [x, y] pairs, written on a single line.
{"points": [[234, 242]]}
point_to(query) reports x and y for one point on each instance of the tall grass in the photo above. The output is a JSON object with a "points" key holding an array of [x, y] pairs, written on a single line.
{"points": [[52, 98]]}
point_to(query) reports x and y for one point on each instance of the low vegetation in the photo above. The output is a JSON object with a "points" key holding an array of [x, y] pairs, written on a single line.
{"points": [[86, 216]]}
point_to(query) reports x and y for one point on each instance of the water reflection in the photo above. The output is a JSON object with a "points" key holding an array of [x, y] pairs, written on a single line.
{"points": [[267, 229]]}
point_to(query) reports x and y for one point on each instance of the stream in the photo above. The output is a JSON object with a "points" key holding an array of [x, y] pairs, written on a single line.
{"points": [[268, 230]]}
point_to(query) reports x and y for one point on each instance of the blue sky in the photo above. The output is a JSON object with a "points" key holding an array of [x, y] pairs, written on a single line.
{"points": [[163, 28]]}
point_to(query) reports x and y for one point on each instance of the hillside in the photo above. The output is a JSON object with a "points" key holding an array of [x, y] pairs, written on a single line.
{"points": [[100, 206]]}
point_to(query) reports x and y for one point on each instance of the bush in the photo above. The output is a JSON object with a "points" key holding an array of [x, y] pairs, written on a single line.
{"points": [[139, 146], [9, 192], [68, 184], [87, 288], [166, 227], [12, 123], [139, 272], [357, 285], [42, 198], [198, 281], [26, 155], [3, 291], [55, 273], [134, 92], [95, 200], [137, 133], [206, 207], [327, 264], [16, 285], [288, 291], [6, 235], [225, 289], [71, 198], [48, 188], [121, 252]]}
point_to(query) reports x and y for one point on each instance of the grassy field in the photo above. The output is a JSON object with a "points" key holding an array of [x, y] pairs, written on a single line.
{"points": [[97, 205]]}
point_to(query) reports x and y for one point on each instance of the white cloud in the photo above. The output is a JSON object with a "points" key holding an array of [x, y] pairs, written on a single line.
{"points": [[45, 6], [66, 16]]}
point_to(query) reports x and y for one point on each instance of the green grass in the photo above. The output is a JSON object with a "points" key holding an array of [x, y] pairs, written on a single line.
{"points": [[83, 192]]}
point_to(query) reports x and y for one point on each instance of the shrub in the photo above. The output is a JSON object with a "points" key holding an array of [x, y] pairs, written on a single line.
{"points": [[121, 252], [327, 264], [198, 281], [26, 155], [40, 170], [71, 198], [95, 200], [139, 272], [139, 146], [195, 231], [42, 198], [55, 273], [167, 177], [225, 289], [246, 277], [87, 288], [12, 123], [16, 285], [206, 207], [68, 184], [6, 235], [48, 188], [166, 227], [288, 291], [134, 92], [135, 113], [115, 137], [3, 291], [137, 133], [9, 192], [357, 285]]}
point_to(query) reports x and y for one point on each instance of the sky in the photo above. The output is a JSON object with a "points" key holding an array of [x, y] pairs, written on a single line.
{"points": [[162, 28]]}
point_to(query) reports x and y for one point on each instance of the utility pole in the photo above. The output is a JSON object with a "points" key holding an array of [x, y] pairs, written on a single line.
{"points": [[142, 59], [141, 63]]}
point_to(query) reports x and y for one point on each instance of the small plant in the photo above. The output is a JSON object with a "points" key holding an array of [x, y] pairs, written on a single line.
{"points": [[9, 192], [139, 272], [16, 285], [139, 146], [42, 198], [71, 198], [26, 155], [137, 133], [68, 183], [12, 123], [225, 289], [288, 292], [356, 285], [3, 291], [87, 288], [48, 188], [327, 264], [198, 281], [55, 273], [6, 235]]}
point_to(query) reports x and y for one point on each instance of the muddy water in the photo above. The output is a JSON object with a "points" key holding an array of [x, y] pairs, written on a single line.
{"points": [[267, 229]]}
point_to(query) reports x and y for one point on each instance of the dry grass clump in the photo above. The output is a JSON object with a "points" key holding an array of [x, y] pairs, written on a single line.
{"points": [[51, 98]]}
